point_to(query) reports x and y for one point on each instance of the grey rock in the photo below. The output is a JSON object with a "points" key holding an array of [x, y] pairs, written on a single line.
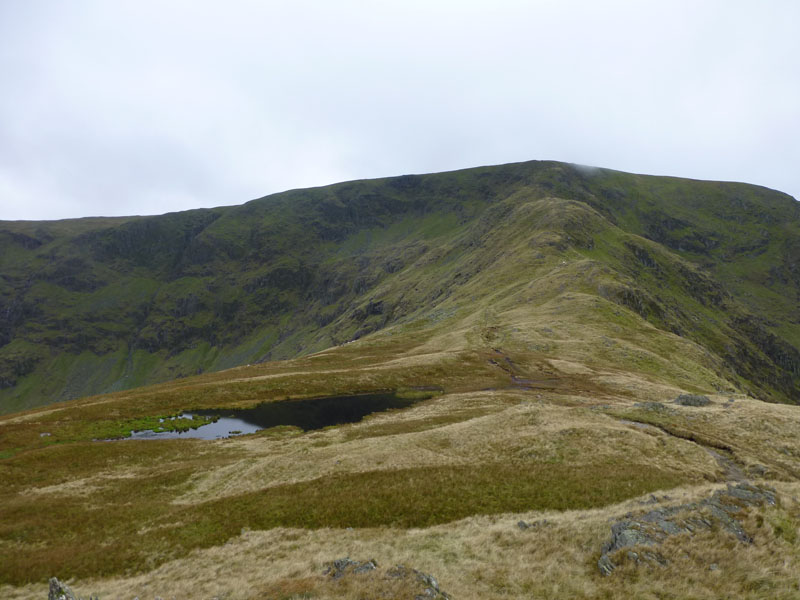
{"points": [[365, 567], [628, 533], [722, 510], [429, 582], [429, 585], [605, 565], [654, 407], [692, 400], [59, 591], [751, 495], [669, 527], [342, 566], [730, 524]]}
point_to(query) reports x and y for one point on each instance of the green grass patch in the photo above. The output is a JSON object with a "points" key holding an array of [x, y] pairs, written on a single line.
{"points": [[131, 525], [108, 429], [783, 525], [8, 453]]}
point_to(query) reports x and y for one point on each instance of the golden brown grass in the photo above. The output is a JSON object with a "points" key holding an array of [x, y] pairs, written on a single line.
{"points": [[479, 557], [438, 487], [508, 454]]}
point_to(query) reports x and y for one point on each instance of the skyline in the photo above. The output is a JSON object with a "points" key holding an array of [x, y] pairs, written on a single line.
{"points": [[149, 108]]}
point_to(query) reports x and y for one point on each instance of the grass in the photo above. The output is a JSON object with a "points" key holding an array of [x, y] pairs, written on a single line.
{"points": [[119, 531], [134, 505], [545, 306], [105, 430], [430, 496], [412, 484], [126, 302], [479, 557]]}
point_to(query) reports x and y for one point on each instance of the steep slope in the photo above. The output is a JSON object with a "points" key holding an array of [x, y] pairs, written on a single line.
{"points": [[546, 317], [98, 305]]}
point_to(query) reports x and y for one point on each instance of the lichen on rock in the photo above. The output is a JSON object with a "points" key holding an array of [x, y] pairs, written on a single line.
{"points": [[650, 529]]}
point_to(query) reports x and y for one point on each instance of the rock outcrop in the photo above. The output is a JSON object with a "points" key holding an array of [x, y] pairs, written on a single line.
{"points": [[423, 585], [344, 566], [641, 535], [692, 400], [61, 591]]}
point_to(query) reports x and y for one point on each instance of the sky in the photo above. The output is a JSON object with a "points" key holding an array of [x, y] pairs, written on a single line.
{"points": [[153, 106]]}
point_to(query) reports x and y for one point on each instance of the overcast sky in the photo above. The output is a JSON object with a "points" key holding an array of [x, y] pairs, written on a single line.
{"points": [[146, 107]]}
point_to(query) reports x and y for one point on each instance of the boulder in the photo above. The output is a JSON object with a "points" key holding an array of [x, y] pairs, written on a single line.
{"points": [[60, 591], [342, 566], [692, 400]]}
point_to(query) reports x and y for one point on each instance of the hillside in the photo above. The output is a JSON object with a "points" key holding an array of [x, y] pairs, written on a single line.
{"points": [[100, 305], [595, 377]]}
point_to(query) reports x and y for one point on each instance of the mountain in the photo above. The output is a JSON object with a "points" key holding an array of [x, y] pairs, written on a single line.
{"points": [[93, 306], [590, 377]]}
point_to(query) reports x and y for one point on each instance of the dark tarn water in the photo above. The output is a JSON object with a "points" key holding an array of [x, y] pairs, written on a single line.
{"points": [[308, 414]]}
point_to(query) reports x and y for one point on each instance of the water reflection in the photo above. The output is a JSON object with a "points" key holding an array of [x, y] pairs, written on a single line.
{"points": [[307, 414]]}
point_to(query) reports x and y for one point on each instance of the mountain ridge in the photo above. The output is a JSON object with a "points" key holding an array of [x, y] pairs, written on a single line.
{"points": [[584, 357], [112, 303]]}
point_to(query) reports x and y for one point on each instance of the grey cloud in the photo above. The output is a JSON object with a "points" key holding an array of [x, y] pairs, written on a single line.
{"points": [[146, 107]]}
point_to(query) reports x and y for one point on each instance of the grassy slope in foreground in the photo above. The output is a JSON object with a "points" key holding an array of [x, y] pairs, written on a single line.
{"points": [[462, 468], [558, 339], [100, 305]]}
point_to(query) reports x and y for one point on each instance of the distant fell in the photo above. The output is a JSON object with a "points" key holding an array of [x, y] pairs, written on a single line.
{"points": [[634, 267]]}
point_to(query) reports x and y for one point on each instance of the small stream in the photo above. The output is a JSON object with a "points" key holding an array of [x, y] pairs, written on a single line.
{"points": [[307, 414]]}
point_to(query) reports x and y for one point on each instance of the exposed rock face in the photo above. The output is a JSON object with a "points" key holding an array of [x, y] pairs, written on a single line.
{"points": [[343, 566], [59, 591], [426, 586], [652, 528]]}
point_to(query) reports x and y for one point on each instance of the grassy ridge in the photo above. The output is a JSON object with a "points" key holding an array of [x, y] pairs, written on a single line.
{"points": [[558, 310], [99, 509], [99, 305]]}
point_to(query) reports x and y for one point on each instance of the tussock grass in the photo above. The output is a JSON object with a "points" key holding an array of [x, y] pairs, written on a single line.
{"points": [[485, 557], [501, 454], [432, 495], [439, 486], [132, 525]]}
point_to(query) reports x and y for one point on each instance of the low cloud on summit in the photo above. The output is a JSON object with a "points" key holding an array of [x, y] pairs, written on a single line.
{"points": [[148, 107]]}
